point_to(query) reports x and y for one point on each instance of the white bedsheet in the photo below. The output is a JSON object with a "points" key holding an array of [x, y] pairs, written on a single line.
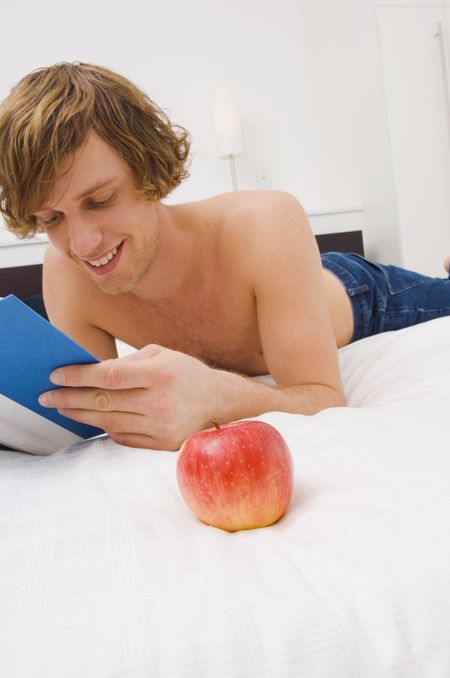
{"points": [[104, 572]]}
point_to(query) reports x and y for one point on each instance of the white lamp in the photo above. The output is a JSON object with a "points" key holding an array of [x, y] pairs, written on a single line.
{"points": [[227, 123]]}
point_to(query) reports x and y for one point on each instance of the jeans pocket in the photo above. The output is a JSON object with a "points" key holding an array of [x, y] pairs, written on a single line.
{"points": [[397, 279]]}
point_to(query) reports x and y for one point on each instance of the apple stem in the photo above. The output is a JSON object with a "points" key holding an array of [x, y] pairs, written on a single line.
{"points": [[214, 423]]}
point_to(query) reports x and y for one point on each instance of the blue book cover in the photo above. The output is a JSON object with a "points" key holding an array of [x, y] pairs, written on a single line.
{"points": [[30, 349]]}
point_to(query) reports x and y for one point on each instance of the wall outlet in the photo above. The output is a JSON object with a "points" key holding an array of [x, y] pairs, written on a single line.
{"points": [[263, 179]]}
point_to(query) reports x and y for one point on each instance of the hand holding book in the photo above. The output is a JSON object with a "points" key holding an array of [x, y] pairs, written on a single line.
{"points": [[31, 348]]}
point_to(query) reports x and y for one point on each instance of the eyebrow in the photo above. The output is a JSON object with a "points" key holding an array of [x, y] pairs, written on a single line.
{"points": [[92, 189], [102, 183]]}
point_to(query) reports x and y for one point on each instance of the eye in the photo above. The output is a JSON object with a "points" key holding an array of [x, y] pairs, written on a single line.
{"points": [[101, 203], [53, 220], [97, 203]]}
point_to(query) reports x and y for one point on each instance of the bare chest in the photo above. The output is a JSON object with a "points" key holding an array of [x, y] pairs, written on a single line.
{"points": [[217, 326]]}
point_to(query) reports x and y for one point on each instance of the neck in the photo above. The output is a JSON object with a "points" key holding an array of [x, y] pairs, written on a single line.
{"points": [[177, 264]]}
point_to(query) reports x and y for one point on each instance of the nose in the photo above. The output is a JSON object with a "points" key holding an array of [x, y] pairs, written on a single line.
{"points": [[85, 236]]}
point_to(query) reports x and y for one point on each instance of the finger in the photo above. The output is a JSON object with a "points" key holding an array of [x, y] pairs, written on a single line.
{"points": [[99, 400], [120, 373], [111, 422]]}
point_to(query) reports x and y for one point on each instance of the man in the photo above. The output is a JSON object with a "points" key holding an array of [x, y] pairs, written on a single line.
{"points": [[210, 293]]}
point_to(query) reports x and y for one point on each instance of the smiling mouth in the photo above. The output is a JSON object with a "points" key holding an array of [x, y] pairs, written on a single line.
{"points": [[104, 260], [106, 263]]}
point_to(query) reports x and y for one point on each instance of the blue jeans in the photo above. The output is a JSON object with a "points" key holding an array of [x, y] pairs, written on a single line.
{"points": [[386, 298]]}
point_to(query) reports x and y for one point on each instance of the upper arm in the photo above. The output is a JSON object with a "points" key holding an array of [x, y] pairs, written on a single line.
{"points": [[294, 323], [68, 302]]}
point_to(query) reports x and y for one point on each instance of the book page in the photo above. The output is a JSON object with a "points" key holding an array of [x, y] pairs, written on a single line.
{"points": [[23, 429]]}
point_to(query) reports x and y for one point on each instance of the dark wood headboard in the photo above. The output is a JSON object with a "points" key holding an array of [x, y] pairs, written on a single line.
{"points": [[349, 241], [26, 281], [23, 281]]}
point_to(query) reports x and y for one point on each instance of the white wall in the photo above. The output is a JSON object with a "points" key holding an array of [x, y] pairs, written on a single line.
{"points": [[351, 117], [307, 74], [178, 52]]}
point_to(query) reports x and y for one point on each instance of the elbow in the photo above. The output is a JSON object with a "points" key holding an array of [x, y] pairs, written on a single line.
{"points": [[327, 397], [310, 399]]}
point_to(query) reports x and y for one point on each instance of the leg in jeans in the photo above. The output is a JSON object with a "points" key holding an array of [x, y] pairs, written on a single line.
{"points": [[386, 298]]}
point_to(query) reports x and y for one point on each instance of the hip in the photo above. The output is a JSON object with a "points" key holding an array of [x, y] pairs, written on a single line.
{"points": [[385, 298]]}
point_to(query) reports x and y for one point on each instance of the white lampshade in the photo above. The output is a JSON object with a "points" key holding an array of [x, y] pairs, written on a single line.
{"points": [[227, 121]]}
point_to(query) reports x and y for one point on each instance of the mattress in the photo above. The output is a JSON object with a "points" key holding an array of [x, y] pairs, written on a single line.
{"points": [[104, 572]]}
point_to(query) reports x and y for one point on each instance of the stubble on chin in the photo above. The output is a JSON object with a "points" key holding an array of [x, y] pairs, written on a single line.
{"points": [[141, 262]]}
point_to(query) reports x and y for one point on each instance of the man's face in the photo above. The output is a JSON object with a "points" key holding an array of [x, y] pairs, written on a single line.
{"points": [[94, 215]]}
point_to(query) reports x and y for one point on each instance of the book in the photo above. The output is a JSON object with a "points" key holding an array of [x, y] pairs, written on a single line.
{"points": [[30, 349]]}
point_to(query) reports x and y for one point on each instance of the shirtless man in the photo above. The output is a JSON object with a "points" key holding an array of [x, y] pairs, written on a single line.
{"points": [[210, 292]]}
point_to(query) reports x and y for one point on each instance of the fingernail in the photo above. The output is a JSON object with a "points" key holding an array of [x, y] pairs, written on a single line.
{"points": [[57, 377], [46, 399]]}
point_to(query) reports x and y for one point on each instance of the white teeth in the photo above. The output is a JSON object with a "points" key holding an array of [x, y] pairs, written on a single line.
{"points": [[104, 260]]}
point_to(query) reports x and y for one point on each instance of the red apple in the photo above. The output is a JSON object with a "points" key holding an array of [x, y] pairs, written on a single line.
{"points": [[237, 476]]}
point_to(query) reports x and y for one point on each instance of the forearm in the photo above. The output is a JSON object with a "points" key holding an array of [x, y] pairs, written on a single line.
{"points": [[158, 397], [240, 397]]}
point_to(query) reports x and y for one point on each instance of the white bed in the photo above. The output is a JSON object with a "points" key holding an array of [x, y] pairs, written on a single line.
{"points": [[105, 573]]}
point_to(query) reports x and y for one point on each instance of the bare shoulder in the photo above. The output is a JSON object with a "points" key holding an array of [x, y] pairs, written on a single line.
{"points": [[254, 204], [258, 224], [73, 303], [64, 283], [261, 212]]}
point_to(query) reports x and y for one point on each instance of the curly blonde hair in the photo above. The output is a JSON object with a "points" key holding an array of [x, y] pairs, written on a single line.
{"points": [[49, 113]]}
